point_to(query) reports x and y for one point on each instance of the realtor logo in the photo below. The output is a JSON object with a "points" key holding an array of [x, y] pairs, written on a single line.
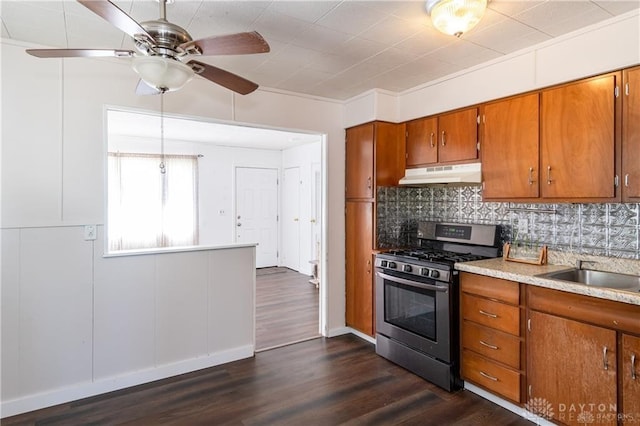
{"points": [[539, 407]]}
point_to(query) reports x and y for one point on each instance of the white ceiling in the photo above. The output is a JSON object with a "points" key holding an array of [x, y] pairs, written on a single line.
{"points": [[333, 49]]}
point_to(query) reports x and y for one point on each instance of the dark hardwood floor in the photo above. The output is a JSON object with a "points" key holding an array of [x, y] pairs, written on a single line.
{"points": [[286, 308], [316, 382]]}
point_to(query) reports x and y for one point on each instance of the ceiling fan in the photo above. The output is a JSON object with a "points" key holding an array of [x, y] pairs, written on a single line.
{"points": [[164, 50]]}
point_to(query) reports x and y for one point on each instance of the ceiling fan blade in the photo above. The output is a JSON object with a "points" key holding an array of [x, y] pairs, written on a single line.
{"points": [[116, 16], [223, 78], [231, 44], [79, 53], [144, 89]]}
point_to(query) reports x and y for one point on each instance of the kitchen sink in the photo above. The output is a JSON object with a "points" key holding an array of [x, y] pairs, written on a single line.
{"points": [[596, 278]]}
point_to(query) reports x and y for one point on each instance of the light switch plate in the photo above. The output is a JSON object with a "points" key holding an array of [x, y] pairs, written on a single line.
{"points": [[89, 232]]}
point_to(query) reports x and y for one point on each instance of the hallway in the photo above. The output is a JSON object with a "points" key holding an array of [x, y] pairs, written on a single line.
{"points": [[287, 308]]}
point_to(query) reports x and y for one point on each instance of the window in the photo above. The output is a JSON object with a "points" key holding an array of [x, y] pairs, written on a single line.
{"points": [[149, 209]]}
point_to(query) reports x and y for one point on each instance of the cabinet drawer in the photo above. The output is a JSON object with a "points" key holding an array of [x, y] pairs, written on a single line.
{"points": [[492, 288], [496, 378], [606, 313], [491, 313], [491, 343]]}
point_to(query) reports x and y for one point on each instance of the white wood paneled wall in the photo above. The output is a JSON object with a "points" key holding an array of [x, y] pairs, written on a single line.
{"points": [[76, 323]]}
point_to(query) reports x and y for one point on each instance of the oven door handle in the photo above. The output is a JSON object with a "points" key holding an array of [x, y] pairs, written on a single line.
{"points": [[399, 280]]}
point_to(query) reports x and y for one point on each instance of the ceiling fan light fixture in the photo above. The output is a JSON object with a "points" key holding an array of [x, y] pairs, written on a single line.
{"points": [[165, 74], [455, 17]]}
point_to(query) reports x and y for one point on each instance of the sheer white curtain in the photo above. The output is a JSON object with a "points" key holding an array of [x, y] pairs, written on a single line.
{"points": [[149, 209]]}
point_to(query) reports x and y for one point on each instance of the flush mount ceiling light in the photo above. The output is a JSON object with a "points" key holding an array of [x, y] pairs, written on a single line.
{"points": [[455, 17], [164, 74]]}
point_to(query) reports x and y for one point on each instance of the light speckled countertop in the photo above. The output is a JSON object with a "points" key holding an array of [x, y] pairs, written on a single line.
{"points": [[523, 273]]}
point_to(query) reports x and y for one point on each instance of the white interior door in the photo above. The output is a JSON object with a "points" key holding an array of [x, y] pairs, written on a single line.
{"points": [[316, 209], [291, 218], [257, 212]]}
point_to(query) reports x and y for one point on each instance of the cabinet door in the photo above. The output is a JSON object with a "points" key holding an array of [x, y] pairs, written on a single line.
{"points": [[631, 136], [359, 269], [571, 370], [578, 139], [389, 153], [458, 136], [509, 148], [422, 142], [630, 372], [359, 162]]}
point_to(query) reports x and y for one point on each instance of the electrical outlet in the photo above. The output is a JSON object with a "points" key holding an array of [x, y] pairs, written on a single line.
{"points": [[89, 232], [523, 226]]}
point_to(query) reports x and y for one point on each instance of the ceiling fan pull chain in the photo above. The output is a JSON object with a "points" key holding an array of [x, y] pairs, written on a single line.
{"points": [[163, 170]]}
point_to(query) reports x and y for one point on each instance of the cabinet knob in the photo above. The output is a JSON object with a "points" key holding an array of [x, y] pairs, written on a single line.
{"points": [[431, 139], [633, 367], [605, 362], [443, 139], [531, 176], [549, 175]]}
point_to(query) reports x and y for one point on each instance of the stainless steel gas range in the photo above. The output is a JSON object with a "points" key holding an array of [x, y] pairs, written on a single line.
{"points": [[416, 296]]}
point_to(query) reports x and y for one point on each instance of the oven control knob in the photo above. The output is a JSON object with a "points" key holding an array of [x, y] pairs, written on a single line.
{"points": [[384, 263], [424, 272], [392, 265], [434, 273], [406, 268]]}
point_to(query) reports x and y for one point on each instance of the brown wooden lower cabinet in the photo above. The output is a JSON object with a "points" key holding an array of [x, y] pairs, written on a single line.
{"points": [[630, 379], [490, 335], [579, 358], [572, 370], [359, 266], [569, 358]]}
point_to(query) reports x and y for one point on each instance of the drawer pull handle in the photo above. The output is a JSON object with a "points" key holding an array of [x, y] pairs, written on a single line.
{"points": [[483, 374], [633, 367], [605, 362], [488, 345], [431, 140], [488, 314]]}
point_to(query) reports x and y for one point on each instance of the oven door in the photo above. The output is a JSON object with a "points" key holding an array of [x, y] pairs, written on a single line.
{"points": [[415, 311]]}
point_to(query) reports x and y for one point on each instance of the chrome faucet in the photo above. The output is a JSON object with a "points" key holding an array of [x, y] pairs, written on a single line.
{"points": [[581, 262]]}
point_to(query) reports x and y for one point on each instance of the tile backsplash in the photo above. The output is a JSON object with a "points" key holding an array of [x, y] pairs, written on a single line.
{"points": [[596, 229]]}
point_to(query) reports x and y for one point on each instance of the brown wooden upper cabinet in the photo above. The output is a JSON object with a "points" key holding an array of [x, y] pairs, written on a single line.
{"points": [[451, 137], [359, 162], [631, 136], [422, 142], [374, 157], [509, 145], [458, 136], [579, 141]]}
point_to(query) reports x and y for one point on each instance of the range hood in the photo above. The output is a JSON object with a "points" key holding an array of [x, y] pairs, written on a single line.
{"points": [[458, 173]]}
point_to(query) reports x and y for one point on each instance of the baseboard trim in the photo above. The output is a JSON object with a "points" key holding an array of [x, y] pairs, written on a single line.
{"points": [[87, 389], [507, 405]]}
